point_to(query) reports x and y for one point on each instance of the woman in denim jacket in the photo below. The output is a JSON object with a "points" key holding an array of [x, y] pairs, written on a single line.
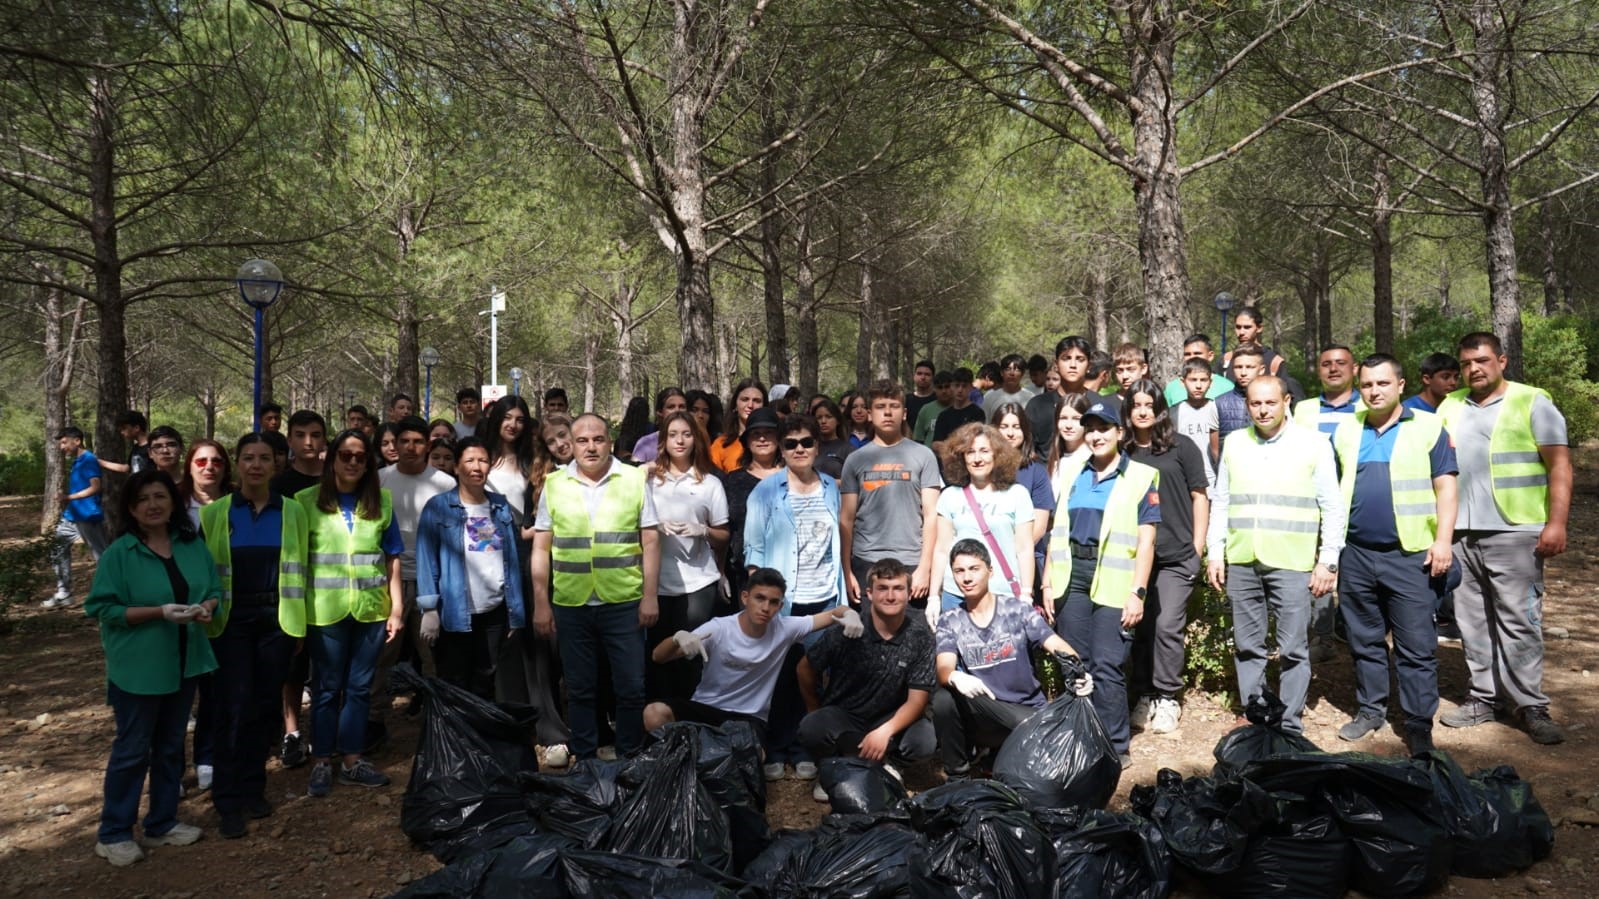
{"points": [[468, 575]]}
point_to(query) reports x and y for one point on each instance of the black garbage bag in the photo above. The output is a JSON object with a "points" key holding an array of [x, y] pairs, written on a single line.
{"points": [[857, 786], [607, 875], [545, 865], [464, 793], [846, 863], [1100, 853], [979, 840], [787, 848], [1262, 738], [1385, 806], [728, 762], [578, 804], [666, 811], [526, 865], [1060, 757], [1495, 824]]}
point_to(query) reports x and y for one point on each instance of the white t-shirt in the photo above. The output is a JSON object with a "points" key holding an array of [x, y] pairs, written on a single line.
{"points": [[998, 397], [817, 571], [1004, 510], [409, 493], [740, 670], [484, 551], [1197, 425], [506, 478], [687, 563]]}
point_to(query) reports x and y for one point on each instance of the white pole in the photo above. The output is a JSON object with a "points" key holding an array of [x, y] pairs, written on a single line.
{"points": [[496, 305]]}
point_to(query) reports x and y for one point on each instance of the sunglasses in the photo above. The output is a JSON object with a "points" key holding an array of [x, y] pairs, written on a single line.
{"points": [[209, 462], [352, 456], [794, 443]]}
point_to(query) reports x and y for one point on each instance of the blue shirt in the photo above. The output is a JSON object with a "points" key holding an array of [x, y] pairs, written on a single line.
{"points": [[1419, 402], [392, 543], [1333, 414], [255, 541], [1371, 511], [1232, 413], [85, 469], [1085, 505]]}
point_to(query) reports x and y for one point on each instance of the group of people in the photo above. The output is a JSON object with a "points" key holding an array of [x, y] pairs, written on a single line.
{"points": [[870, 577]]}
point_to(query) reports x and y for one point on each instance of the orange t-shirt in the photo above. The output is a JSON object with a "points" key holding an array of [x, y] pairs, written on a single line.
{"points": [[726, 456]]}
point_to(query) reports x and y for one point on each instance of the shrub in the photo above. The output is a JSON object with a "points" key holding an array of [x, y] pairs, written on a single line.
{"points": [[1557, 361], [22, 574], [22, 472], [1208, 641]]}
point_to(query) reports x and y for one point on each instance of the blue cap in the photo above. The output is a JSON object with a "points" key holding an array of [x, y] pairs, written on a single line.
{"points": [[1107, 412]]}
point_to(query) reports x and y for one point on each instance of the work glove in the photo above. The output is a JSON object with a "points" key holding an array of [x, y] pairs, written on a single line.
{"points": [[1075, 674], [179, 613], [430, 626], [685, 528], [1083, 686], [850, 621], [690, 643], [969, 686]]}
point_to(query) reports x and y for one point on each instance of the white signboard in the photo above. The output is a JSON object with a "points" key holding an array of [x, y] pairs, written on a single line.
{"points": [[492, 392]]}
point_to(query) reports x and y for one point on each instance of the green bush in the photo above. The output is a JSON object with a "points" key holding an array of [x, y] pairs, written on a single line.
{"points": [[1208, 642], [22, 472], [23, 567], [1557, 361]]}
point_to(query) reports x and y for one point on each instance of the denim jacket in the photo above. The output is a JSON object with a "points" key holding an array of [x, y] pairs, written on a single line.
{"points": [[770, 530], [441, 566]]}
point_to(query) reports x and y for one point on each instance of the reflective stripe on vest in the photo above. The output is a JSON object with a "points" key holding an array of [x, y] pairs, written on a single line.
{"points": [[291, 564], [1118, 537], [602, 556], [1415, 505], [1520, 480], [348, 570], [1272, 515]]}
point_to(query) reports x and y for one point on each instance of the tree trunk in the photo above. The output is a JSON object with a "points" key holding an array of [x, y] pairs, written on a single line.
{"points": [[777, 371], [805, 318], [1551, 265], [1488, 66], [591, 362], [1098, 305], [406, 318], [1445, 283], [60, 358], [113, 356], [1323, 282], [1308, 301], [1382, 262], [726, 360], [208, 408], [868, 327]]}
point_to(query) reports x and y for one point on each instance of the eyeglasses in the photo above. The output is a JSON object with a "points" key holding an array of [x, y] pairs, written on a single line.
{"points": [[209, 462], [352, 456], [165, 447], [794, 443]]}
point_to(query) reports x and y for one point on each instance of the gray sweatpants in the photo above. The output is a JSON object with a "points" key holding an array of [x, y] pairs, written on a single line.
{"points": [[93, 535], [1255, 591], [1499, 609]]}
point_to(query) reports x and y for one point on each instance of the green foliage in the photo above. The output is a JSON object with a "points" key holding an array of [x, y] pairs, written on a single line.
{"points": [[1208, 642], [1557, 361], [22, 472], [22, 574]]}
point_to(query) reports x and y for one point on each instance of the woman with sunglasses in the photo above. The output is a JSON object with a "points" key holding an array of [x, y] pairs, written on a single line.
{"points": [[692, 506], [792, 527], [260, 544], [728, 449], [353, 602], [210, 476]]}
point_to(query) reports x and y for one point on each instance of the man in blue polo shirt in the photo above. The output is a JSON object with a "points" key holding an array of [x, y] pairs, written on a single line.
{"points": [[1337, 403], [1397, 472], [82, 518]]}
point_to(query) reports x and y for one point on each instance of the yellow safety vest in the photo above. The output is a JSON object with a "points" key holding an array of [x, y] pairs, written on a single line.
{"points": [[291, 564], [602, 556], [1307, 413], [1118, 536], [1415, 505], [1272, 516], [349, 574], [1520, 480]]}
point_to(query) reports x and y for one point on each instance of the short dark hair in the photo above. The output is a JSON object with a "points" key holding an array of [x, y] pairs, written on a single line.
{"points": [[1191, 366], [1073, 342], [765, 577], [1249, 349], [800, 421], [402, 396], [276, 440], [1013, 359], [360, 409], [943, 379], [1478, 339], [462, 445], [884, 390], [303, 417], [925, 363], [555, 393], [133, 418], [971, 547], [1250, 312], [271, 407], [178, 522], [1376, 359], [962, 375], [468, 393], [1100, 362], [1332, 347], [1437, 362], [886, 570], [70, 431], [989, 371], [1192, 339], [165, 431], [1037, 363], [410, 423]]}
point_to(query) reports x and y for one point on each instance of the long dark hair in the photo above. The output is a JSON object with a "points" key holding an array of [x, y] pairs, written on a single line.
{"points": [[523, 450], [1029, 454], [178, 523], [732, 428], [713, 422], [1162, 434], [636, 422], [841, 428], [368, 493], [1057, 446]]}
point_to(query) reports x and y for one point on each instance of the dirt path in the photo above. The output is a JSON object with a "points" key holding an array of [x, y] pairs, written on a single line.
{"points": [[55, 731]]}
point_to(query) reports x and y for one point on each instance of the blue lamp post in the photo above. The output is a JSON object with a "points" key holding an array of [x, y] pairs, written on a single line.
{"points": [[1224, 304], [516, 381], [429, 357], [260, 282]]}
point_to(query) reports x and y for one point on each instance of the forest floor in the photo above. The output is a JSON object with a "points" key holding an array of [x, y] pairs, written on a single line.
{"points": [[55, 733]]}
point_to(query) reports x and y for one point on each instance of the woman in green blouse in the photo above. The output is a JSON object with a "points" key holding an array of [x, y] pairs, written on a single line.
{"points": [[154, 589]]}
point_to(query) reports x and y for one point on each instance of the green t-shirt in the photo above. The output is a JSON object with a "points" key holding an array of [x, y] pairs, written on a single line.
{"points": [[923, 431]]}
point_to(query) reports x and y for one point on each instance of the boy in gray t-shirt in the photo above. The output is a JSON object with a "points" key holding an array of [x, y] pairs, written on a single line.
{"points": [[1195, 417], [889, 490]]}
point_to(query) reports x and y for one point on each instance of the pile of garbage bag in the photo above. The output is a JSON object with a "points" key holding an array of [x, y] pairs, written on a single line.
{"points": [[687, 817]]}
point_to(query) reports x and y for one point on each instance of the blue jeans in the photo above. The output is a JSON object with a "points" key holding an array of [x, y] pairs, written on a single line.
{"points": [[150, 732], [584, 634], [344, 656], [1095, 631]]}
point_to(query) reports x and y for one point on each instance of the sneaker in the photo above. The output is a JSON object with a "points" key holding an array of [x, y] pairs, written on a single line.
{"points": [[204, 775], [321, 781], [362, 774], [258, 808], [1322, 651], [606, 753], [774, 770], [1127, 760], [557, 756], [292, 753], [121, 854], [1166, 714], [1141, 712], [233, 826], [60, 600], [1543, 730], [1360, 726], [819, 794], [1419, 741], [893, 772], [1470, 713], [804, 770], [179, 835]]}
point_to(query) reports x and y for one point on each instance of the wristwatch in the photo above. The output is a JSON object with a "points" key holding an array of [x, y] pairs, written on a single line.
{"points": [[1332, 567], [1139, 592]]}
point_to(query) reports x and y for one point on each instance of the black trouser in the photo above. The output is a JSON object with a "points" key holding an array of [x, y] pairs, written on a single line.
{"points": [[963, 723], [832, 731], [470, 659], [1157, 650], [1383, 591], [677, 679], [252, 663]]}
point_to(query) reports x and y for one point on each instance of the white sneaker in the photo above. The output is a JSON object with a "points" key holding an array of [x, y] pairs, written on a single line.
{"points": [[805, 770], [1164, 718], [203, 775], [606, 753], [1139, 719], [774, 770], [819, 794], [62, 599], [120, 854], [179, 835], [557, 756], [893, 772]]}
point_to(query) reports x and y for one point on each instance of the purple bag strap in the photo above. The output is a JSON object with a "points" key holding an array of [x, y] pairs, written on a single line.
{"points": [[993, 545]]}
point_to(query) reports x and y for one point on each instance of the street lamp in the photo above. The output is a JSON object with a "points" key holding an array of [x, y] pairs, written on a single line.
{"points": [[1223, 303], [516, 381], [429, 357], [259, 282]]}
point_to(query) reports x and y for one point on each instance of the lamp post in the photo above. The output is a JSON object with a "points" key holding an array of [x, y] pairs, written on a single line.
{"points": [[516, 381], [496, 306], [1223, 303], [429, 357], [259, 283]]}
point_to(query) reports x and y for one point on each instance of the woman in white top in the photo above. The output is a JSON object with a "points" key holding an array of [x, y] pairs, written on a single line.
{"points": [[692, 507], [984, 502]]}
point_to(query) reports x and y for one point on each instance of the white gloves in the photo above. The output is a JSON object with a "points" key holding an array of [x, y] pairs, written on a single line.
{"points": [[969, 685], [1085, 686], [179, 613], [850, 621], [690, 643], [430, 626], [685, 528]]}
